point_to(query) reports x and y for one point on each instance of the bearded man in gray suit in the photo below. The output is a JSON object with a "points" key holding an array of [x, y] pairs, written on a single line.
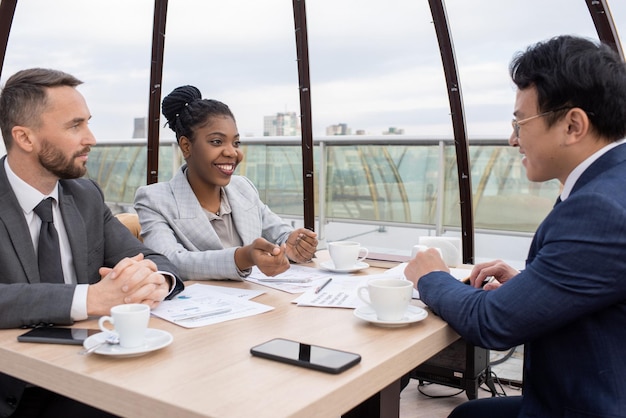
{"points": [[44, 123]]}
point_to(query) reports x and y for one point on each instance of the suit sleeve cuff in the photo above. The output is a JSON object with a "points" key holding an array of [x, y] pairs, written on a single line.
{"points": [[176, 285]]}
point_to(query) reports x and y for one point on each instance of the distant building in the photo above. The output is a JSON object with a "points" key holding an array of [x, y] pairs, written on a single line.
{"points": [[140, 130], [394, 131], [281, 124], [339, 129]]}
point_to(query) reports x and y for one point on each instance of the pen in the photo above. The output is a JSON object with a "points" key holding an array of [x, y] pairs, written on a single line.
{"points": [[487, 280], [319, 289]]}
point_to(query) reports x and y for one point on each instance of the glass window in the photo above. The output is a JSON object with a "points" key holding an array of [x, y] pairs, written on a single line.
{"points": [[106, 44], [375, 69]]}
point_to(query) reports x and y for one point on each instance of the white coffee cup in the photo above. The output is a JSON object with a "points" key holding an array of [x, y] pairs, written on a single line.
{"points": [[345, 254], [450, 247], [419, 248], [388, 297], [130, 322]]}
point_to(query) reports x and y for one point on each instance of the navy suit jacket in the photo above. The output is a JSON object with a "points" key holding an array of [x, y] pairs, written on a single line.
{"points": [[568, 305], [96, 238]]}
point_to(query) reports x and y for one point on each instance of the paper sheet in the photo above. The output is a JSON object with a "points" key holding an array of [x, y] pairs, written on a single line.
{"points": [[233, 291], [339, 293], [199, 305], [297, 279]]}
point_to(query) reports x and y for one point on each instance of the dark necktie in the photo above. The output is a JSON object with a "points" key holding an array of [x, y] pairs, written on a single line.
{"points": [[48, 251]]}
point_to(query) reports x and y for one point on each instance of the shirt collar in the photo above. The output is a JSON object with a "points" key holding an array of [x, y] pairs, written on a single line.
{"points": [[27, 196], [225, 208], [580, 168]]}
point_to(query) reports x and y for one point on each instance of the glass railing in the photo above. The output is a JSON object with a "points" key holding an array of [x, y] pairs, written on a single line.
{"points": [[402, 181]]}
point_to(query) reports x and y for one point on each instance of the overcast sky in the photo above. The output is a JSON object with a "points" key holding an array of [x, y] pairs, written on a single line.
{"points": [[374, 64]]}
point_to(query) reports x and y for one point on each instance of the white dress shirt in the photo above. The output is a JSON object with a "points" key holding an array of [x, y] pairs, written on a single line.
{"points": [[580, 168]]}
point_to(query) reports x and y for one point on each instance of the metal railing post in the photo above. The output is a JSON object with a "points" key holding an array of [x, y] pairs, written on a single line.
{"points": [[321, 204], [441, 189]]}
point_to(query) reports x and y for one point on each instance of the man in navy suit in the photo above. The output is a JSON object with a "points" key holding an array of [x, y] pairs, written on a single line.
{"points": [[568, 306], [44, 123]]}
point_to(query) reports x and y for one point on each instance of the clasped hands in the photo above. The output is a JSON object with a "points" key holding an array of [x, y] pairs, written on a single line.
{"points": [[430, 260], [132, 280]]}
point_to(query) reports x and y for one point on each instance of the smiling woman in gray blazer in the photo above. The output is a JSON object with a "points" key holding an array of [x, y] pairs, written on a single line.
{"points": [[209, 222]]}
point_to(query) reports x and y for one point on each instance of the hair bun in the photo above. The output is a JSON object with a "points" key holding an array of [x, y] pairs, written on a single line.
{"points": [[175, 102]]}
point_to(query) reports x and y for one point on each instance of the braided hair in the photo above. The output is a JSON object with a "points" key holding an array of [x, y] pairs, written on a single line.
{"points": [[185, 110]]}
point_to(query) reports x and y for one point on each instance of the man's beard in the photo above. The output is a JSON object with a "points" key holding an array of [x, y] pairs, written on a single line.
{"points": [[53, 160]]}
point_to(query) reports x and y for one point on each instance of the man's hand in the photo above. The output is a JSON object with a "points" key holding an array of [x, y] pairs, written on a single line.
{"points": [[497, 269], [423, 263], [132, 280], [301, 245]]}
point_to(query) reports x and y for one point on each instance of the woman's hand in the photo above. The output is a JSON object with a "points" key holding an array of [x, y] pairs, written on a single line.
{"points": [[301, 245], [270, 258]]}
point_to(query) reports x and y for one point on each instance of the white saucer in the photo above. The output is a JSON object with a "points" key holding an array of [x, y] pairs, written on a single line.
{"points": [[155, 340], [413, 314], [330, 266]]}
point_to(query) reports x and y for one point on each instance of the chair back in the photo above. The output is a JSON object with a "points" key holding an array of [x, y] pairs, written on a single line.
{"points": [[131, 221]]}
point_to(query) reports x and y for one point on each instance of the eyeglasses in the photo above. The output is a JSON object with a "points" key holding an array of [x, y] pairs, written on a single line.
{"points": [[517, 123]]}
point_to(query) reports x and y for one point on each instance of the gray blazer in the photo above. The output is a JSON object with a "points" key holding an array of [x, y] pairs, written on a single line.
{"points": [[96, 238], [174, 224]]}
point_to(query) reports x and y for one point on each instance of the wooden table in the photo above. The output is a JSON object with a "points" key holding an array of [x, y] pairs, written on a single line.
{"points": [[209, 372]]}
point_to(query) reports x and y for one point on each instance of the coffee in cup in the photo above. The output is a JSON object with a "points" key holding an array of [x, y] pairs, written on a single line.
{"points": [[130, 322], [388, 297], [345, 254]]}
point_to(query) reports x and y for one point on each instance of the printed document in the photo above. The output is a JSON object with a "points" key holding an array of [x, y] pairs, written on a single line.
{"points": [[339, 293], [199, 305], [296, 279]]}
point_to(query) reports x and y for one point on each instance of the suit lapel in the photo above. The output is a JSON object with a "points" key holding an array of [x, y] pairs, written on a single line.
{"points": [[76, 233], [192, 221], [607, 161], [12, 217], [610, 159]]}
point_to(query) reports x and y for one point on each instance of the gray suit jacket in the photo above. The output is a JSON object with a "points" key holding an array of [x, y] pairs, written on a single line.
{"points": [[96, 238], [174, 224]]}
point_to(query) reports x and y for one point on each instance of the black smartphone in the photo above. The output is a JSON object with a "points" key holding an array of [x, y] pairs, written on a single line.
{"points": [[310, 356], [57, 335]]}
